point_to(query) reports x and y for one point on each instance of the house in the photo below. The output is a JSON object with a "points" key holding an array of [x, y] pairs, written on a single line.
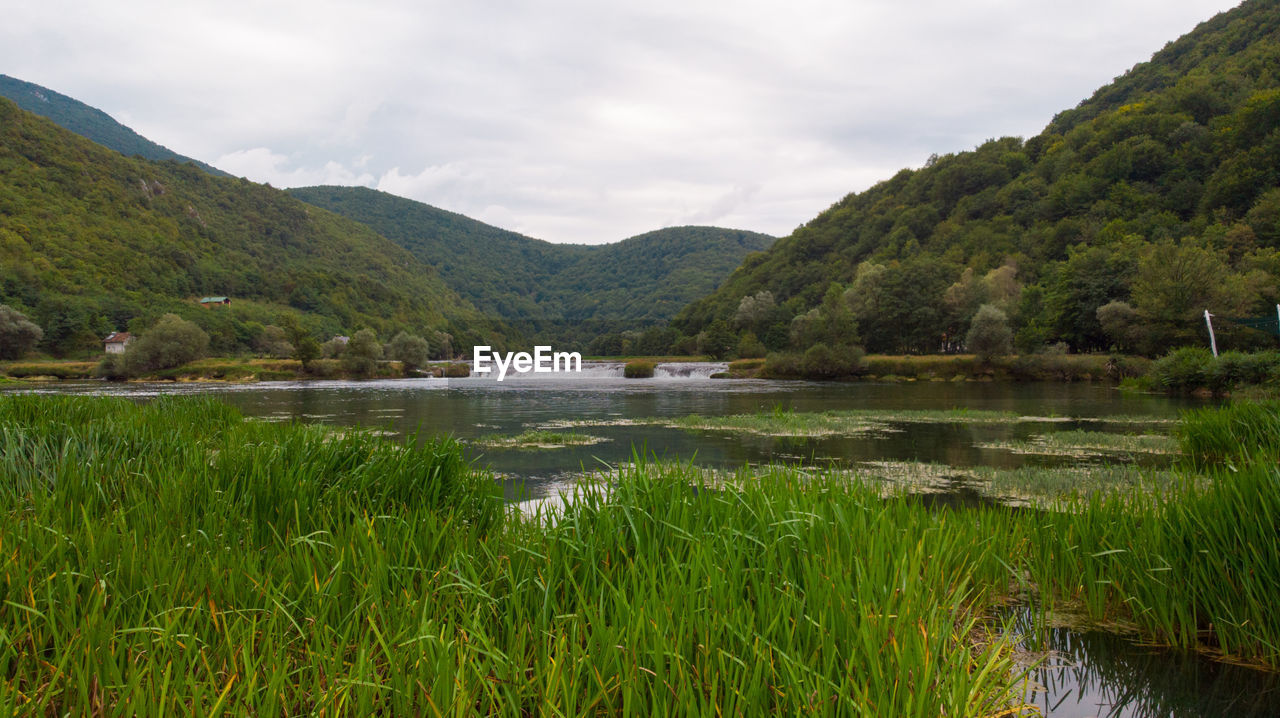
{"points": [[117, 342], [214, 301]]}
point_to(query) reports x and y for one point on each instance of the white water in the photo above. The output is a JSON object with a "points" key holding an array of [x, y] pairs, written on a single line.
{"points": [[667, 371]]}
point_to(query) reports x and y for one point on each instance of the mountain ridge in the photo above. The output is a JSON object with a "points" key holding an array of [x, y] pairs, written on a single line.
{"points": [[92, 241], [1134, 198], [645, 278], [91, 122]]}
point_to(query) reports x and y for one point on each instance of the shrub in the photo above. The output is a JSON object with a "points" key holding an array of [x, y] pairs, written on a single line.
{"points": [[638, 369], [18, 335], [1183, 370], [362, 354], [410, 350], [818, 362], [173, 341], [989, 334], [781, 365], [457, 370], [750, 347]]}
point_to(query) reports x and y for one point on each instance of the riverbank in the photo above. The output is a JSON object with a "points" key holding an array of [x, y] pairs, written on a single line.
{"points": [[173, 557], [955, 367], [228, 369]]}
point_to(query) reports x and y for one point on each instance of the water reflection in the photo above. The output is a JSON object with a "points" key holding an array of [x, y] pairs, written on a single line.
{"points": [[1097, 673], [475, 407]]}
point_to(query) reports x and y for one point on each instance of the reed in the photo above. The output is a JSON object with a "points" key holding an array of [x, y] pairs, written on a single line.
{"points": [[173, 558]]}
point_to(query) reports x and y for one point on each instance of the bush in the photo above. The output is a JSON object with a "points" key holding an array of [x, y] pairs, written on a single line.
{"points": [[818, 362], [173, 341], [457, 370], [750, 347], [638, 369], [362, 354], [781, 365], [989, 334], [410, 350], [1183, 370], [18, 335]]}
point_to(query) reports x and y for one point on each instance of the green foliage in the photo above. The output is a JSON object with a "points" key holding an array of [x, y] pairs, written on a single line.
{"points": [[1162, 191], [749, 347], [90, 122], [362, 353], [410, 350], [561, 292], [173, 341], [989, 335], [457, 370], [1233, 435], [18, 335], [718, 341], [1195, 369], [818, 362], [168, 547], [91, 241], [638, 369]]}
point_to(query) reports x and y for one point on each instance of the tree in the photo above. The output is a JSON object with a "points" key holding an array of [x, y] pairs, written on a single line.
{"points": [[362, 353], [305, 347], [718, 341], [18, 335], [989, 334], [1175, 283], [754, 309], [172, 341], [1121, 324], [410, 350], [274, 342]]}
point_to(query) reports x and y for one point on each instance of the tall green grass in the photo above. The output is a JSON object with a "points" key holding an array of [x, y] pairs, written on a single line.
{"points": [[173, 558]]}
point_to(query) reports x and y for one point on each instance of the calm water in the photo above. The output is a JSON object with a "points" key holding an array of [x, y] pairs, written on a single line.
{"points": [[1087, 673], [473, 407]]}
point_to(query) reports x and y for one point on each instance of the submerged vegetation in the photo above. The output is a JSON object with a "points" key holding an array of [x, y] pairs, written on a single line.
{"points": [[1087, 443], [174, 558], [539, 439]]}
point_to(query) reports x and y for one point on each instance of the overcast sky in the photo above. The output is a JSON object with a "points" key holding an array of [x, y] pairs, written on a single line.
{"points": [[586, 121]]}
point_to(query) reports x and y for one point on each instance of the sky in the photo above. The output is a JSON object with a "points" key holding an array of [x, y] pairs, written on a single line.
{"points": [[580, 120]]}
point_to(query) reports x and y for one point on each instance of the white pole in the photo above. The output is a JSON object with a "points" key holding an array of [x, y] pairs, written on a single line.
{"points": [[1212, 341], [1278, 320]]}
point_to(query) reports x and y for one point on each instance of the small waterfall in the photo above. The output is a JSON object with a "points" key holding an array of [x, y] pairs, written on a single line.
{"points": [[595, 370], [688, 370]]}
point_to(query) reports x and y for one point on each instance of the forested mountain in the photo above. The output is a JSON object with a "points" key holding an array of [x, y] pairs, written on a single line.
{"points": [[1114, 228], [642, 279], [90, 122], [92, 241]]}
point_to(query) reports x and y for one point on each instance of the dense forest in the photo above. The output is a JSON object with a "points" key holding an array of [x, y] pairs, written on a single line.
{"points": [[569, 294], [89, 122], [92, 241], [1113, 229]]}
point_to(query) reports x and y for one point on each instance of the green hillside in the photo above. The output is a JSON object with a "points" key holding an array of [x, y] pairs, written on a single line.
{"points": [[92, 241], [89, 122], [647, 278], [1156, 198]]}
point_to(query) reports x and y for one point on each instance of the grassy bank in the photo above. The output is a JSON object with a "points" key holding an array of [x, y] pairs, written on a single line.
{"points": [[952, 367], [173, 558], [227, 369]]}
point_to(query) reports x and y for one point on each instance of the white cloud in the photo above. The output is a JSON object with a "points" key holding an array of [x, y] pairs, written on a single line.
{"points": [[263, 165], [575, 120]]}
